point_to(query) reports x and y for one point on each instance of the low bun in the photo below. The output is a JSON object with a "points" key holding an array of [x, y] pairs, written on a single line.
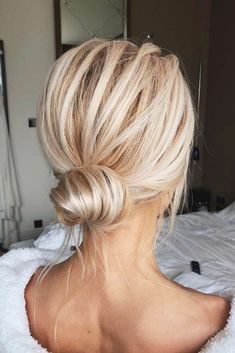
{"points": [[116, 123], [91, 194]]}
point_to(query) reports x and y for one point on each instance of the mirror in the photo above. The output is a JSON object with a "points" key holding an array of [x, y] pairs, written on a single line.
{"points": [[77, 21]]}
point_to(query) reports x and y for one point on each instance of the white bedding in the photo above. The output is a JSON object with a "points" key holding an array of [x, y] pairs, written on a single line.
{"points": [[208, 238]]}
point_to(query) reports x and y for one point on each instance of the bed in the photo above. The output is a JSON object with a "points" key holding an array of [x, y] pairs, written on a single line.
{"points": [[205, 237], [208, 238]]}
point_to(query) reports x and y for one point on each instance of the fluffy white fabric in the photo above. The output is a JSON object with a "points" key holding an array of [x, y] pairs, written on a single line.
{"points": [[16, 269]]}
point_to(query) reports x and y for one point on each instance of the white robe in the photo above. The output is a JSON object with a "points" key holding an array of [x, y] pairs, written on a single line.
{"points": [[16, 269]]}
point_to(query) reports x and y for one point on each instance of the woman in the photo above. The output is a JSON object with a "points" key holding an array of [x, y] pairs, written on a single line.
{"points": [[116, 123]]}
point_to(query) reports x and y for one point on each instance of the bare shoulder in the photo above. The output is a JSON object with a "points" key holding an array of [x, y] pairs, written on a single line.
{"points": [[184, 325], [29, 302], [219, 311]]}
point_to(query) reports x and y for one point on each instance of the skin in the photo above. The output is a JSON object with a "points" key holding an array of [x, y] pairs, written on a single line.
{"points": [[156, 316]]}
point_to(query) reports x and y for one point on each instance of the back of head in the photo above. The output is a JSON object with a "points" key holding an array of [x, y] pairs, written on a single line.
{"points": [[116, 122]]}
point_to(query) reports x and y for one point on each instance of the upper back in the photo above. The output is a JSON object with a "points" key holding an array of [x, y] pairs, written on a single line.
{"points": [[95, 320]]}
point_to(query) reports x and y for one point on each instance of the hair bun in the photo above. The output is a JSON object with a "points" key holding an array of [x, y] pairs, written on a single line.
{"points": [[91, 194]]}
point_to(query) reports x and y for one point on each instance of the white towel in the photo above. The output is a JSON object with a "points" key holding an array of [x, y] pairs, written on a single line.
{"points": [[16, 269]]}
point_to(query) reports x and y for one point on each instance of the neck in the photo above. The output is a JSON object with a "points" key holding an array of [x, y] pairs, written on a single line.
{"points": [[130, 247]]}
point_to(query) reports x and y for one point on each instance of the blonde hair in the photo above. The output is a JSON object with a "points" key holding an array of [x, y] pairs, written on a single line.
{"points": [[116, 122]]}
